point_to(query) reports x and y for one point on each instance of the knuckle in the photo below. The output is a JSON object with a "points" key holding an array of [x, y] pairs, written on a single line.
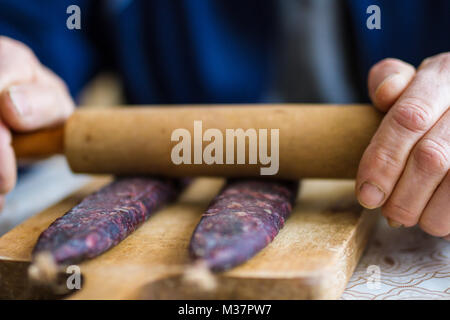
{"points": [[425, 62], [413, 115], [431, 157], [49, 77], [435, 228], [401, 214], [444, 63], [385, 158], [439, 63], [5, 46], [8, 44], [10, 47], [5, 41]]}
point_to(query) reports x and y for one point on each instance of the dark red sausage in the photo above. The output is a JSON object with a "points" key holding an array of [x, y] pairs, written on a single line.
{"points": [[240, 221], [105, 218]]}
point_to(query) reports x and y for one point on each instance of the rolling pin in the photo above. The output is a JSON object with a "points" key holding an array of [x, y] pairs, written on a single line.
{"points": [[315, 141]]}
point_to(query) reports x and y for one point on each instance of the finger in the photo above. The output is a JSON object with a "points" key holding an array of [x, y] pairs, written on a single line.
{"points": [[447, 237], [416, 111], [34, 105], [7, 161], [387, 80], [17, 63], [435, 220], [425, 170]]}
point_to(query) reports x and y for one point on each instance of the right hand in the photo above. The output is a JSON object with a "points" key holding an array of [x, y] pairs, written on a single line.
{"points": [[31, 97]]}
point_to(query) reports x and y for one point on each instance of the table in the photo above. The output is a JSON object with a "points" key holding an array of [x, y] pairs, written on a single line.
{"points": [[402, 264]]}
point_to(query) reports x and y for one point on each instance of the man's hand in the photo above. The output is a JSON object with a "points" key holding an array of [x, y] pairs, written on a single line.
{"points": [[31, 97], [405, 168]]}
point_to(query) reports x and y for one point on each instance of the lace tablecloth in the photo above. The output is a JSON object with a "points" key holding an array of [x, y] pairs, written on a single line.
{"points": [[402, 264]]}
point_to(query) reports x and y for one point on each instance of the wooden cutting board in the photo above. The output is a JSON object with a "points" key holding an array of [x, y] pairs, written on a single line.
{"points": [[311, 258]]}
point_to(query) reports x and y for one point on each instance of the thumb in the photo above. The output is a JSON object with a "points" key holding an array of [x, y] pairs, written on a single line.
{"points": [[32, 106], [387, 80]]}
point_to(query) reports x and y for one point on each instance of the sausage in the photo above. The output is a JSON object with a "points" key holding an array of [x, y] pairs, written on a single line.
{"points": [[105, 218], [240, 221]]}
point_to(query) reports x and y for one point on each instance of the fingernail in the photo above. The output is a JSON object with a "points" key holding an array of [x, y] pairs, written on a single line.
{"points": [[393, 224], [370, 196], [18, 101], [398, 76]]}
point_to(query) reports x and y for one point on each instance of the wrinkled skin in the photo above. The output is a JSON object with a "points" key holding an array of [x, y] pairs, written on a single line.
{"points": [[405, 169]]}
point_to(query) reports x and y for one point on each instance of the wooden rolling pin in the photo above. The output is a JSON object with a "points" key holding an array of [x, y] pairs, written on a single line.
{"points": [[315, 141]]}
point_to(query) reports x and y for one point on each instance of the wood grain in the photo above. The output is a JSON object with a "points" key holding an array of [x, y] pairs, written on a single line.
{"points": [[314, 141], [312, 257]]}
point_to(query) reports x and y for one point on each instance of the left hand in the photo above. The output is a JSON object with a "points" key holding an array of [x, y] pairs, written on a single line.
{"points": [[405, 168]]}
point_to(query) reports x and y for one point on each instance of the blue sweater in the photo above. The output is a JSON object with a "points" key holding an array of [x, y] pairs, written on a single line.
{"points": [[200, 51]]}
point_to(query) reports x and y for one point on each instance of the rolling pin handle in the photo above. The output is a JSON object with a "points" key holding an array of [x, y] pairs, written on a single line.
{"points": [[39, 144]]}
